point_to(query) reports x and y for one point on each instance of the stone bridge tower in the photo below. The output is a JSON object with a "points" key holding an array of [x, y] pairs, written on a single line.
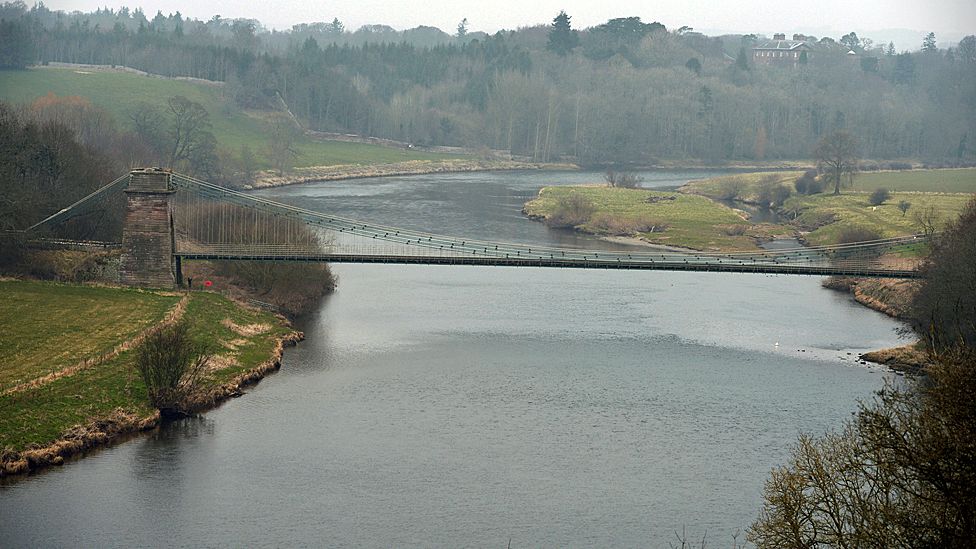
{"points": [[147, 232]]}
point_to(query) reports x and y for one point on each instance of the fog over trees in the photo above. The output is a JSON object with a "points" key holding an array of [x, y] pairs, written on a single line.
{"points": [[623, 91]]}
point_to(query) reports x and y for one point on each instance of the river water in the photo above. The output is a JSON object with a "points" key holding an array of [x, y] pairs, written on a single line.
{"points": [[466, 406]]}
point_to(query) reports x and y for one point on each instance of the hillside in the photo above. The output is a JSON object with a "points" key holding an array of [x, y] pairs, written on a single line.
{"points": [[120, 92]]}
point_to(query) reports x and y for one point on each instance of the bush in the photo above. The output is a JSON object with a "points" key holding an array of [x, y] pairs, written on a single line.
{"points": [[730, 189], [735, 230], [571, 210], [851, 235], [879, 196], [772, 193], [172, 364], [294, 288], [625, 180], [808, 183]]}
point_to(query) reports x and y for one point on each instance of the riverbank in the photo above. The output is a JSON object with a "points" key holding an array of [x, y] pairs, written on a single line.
{"points": [[410, 167], [891, 297], [917, 198], [68, 383]]}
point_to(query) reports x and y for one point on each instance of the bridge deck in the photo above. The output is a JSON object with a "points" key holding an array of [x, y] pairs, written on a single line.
{"points": [[690, 264]]}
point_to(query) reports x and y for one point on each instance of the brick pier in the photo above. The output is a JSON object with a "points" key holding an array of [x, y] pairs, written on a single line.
{"points": [[147, 234]]}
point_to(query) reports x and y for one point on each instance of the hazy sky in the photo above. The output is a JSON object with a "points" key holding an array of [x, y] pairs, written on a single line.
{"points": [[949, 17]]}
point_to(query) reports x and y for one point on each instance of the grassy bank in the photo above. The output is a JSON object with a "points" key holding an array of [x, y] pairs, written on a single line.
{"points": [[121, 92], [962, 180], [67, 362], [682, 220], [824, 217]]}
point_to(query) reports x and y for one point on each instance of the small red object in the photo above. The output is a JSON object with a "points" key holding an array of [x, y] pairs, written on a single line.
{"points": [[208, 283]]}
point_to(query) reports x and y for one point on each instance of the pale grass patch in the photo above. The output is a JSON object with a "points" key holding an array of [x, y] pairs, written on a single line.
{"points": [[245, 330]]}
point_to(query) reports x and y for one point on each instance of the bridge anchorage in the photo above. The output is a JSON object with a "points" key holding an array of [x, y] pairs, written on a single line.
{"points": [[171, 218]]}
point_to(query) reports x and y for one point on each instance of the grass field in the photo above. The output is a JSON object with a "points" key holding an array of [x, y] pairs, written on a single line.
{"points": [[692, 221], [961, 180], [853, 210], [746, 184], [50, 326], [119, 93], [825, 215]]}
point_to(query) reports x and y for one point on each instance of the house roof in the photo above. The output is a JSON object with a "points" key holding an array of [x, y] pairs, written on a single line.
{"points": [[783, 45]]}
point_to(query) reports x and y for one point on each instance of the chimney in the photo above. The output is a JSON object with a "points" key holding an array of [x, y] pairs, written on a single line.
{"points": [[799, 37], [779, 36]]}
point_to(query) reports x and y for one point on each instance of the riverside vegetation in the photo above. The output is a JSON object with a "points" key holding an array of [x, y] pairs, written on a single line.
{"points": [[901, 472], [69, 380], [701, 215]]}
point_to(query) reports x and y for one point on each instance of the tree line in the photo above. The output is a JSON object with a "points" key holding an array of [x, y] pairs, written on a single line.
{"points": [[625, 91]]}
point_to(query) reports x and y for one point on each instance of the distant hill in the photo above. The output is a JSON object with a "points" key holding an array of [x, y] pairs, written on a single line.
{"points": [[120, 92]]}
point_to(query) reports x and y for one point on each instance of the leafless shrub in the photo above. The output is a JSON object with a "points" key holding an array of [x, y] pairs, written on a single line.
{"points": [[730, 189], [624, 180], [625, 226], [172, 363], [571, 210]]}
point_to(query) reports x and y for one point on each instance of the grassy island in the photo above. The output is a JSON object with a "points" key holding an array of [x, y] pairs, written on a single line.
{"points": [[665, 218]]}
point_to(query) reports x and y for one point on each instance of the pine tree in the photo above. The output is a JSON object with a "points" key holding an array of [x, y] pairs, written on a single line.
{"points": [[562, 37]]}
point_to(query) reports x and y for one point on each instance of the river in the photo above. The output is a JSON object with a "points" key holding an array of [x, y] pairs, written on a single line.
{"points": [[464, 406]]}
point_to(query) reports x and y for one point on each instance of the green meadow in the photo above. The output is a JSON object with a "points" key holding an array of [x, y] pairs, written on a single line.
{"points": [[121, 92]]}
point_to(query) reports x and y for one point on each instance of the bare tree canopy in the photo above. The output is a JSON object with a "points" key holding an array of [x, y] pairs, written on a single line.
{"points": [[837, 155]]}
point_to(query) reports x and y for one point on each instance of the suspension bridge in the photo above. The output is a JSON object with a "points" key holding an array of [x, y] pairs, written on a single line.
{"points": [[171, 218]]}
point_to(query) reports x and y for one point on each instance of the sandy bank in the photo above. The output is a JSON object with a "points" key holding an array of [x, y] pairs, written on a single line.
{"points": [[410, 167]]}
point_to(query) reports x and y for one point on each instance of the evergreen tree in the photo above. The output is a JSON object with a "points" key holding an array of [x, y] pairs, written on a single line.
{"points": [[562, 37], [16, 48], [904, 72], [928, 44], [336, 27]]}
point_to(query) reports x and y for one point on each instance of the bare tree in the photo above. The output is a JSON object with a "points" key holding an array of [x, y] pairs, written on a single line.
{"points": [[282, 134], [189, 126], [927, 220], [837, 156]]}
